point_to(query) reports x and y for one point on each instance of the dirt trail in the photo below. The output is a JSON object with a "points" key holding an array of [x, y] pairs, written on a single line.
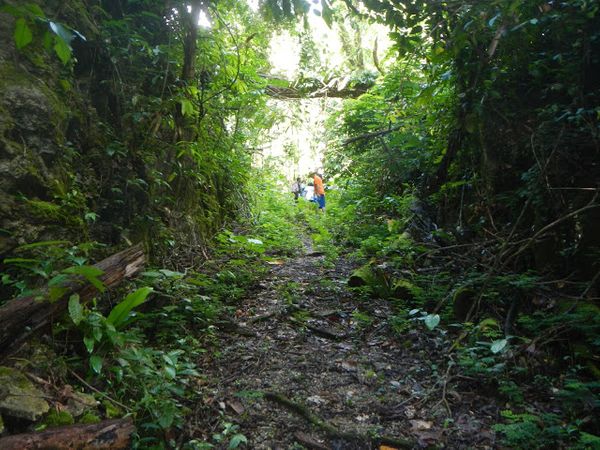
{"points": [[300, 336]]}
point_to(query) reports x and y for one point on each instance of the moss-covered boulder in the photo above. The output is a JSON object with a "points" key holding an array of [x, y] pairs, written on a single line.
{"points": [[80, 403], [19, 398]]}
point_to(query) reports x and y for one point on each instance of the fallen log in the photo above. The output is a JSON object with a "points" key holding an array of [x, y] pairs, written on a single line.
{"points": [[21, 317], [109, 434]]}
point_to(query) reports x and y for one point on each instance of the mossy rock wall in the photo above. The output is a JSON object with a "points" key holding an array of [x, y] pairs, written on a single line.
{"points": [[38, 107], [77, 160]]}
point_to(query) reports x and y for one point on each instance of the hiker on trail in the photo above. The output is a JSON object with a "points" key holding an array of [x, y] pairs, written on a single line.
{"points": [[319, 191], [297, 189]]}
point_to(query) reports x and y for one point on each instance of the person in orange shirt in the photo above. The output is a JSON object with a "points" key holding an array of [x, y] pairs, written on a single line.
{"points": [[319, 191]]}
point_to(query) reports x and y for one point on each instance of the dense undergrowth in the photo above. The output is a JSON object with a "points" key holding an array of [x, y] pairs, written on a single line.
{"points": [[144, 355], [467, 184], [538, 361]]}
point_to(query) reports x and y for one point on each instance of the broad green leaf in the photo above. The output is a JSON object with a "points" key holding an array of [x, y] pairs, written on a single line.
{"points": [[498, 345], [75, 309], [118, 315], [488, 323], [89, 343], [171, 372], [22, 35], [35, 10], [62, 49], [166, 415], [236, 440], [151, 274], [96, 363], [56, 292], [97, 333], [187, 108], [79, 260], [47, 40], [432, 321], [171, 274], [90, 273]]}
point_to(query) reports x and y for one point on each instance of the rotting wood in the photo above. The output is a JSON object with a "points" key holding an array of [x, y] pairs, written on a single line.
{"points": [[21, 317], [332, 431], [109, 434]]}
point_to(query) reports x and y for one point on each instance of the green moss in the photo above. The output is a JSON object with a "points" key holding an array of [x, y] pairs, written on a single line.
{"points": [[19, 397], [46, 211], [57, 419], [89, 417], [111, 410], [16, 378]]}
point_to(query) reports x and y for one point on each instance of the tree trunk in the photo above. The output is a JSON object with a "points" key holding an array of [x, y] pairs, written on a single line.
{"points": [[184, 125], [190, 41], [109, 434], [21, 317]]}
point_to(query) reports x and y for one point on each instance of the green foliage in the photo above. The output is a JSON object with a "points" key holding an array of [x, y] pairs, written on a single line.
{"points": [[361, 318], [23, 35], [53, 262], [90, 273], [119, 314], [536, 431], [30, 17]]}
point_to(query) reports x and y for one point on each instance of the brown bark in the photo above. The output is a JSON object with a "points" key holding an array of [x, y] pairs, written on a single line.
{"points": [[21, 317], [190, 41], [109, 434]]}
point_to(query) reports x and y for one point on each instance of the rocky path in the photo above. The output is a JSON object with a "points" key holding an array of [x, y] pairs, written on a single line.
{"points": [[303, 337]]}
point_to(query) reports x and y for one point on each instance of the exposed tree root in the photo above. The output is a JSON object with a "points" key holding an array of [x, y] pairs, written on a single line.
{"points": [[332, 431], [322, 332]]}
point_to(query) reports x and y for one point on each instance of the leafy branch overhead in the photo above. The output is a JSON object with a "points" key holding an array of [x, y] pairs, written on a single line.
{"points": [[30, 20]]}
